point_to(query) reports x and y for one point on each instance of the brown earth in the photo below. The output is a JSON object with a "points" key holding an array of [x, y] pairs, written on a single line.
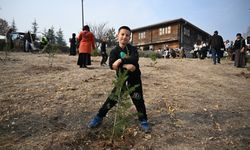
{"points": [[191, 104]]}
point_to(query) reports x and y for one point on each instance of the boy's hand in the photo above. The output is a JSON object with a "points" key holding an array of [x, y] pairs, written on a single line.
{"points": [[116, 64], [129, 67]]}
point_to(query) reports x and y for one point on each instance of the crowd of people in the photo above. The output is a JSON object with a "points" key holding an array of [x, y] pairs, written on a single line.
{"points": [[84, 44], [237, 50], [124, 57], [200, 50], [171, 53], [216, 48]]}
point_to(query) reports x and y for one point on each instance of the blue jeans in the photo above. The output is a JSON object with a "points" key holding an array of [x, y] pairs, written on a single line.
{"points": [[216, 54]]}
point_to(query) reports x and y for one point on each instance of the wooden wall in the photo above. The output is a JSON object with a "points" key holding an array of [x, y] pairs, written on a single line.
{"points": [[175, 39]]}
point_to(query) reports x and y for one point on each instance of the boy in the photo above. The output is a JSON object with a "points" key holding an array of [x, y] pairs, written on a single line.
{"points": [[125, 57]]}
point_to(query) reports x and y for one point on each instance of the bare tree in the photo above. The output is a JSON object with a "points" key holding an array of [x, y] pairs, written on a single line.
{"points": [[99, 30], [111, 38], [13, 25], [4, 26]]}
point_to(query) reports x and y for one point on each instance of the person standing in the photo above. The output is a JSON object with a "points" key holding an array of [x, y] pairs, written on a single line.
{"points": [[216, 44], [73, 44], [9, 40], [203, 50], [86, 40], [197, 49], [125, 57], [44, 42], [28, 41], [103, 52], [240, 51]]}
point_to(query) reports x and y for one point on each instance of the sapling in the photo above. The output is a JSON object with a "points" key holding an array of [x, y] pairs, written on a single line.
{"points": [[51, 50], [121, 113], [153, 57]]}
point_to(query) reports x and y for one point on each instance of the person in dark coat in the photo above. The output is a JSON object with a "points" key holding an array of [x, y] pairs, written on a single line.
{"points": [[216, 44], [28, 42], [240, 51], [73, 44]]}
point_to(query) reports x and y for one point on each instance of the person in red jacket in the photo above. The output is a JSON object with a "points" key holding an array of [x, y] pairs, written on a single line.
{"points": [[86, 42]]}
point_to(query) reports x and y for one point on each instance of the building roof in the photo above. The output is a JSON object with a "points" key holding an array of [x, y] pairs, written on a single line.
{"points": [[168, 22]]}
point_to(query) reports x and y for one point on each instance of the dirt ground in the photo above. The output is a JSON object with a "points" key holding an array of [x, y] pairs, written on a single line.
{"points": [[191, 104]]}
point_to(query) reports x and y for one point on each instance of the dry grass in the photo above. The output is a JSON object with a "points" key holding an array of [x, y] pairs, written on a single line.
{"points": [[191, 104]]}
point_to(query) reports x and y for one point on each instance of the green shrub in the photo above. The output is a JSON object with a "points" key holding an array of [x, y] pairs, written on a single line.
{"points": [[153, 56], [149, 54], [51, 49]]}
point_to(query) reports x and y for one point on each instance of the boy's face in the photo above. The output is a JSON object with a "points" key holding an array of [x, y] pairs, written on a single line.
{"points": [[124, 36]]}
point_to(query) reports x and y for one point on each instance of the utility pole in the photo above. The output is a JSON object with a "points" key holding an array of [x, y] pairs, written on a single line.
{"points": [[82, 14]]}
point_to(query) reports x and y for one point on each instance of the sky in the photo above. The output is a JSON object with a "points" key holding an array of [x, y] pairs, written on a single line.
{"points": [[227, 16]]}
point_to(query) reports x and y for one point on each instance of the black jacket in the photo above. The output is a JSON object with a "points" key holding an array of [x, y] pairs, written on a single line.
{"points": [[216, 42], [238, 44], [103, 47], [132, 57]]}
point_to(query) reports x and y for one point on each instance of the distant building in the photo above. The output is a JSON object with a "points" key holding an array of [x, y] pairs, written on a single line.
{"points": [[172, 34]]}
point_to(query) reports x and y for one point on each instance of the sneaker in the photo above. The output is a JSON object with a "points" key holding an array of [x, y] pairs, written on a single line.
{"points": [[145, 126], [96, 121]]}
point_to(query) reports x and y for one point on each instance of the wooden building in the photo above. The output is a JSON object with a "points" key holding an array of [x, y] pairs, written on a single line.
{"points": [[172, 34]]}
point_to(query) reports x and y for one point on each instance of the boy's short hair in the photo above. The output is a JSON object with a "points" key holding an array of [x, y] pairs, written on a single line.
{"points": [[124, 27]]}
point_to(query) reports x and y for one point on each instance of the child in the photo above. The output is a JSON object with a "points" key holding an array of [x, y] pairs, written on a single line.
{"points": [[125, 57], [103, 52]]}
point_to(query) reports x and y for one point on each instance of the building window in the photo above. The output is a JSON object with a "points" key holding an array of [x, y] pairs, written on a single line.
{"points": [[186, 32], [166, 30], [142, 35], [161, 31]]}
